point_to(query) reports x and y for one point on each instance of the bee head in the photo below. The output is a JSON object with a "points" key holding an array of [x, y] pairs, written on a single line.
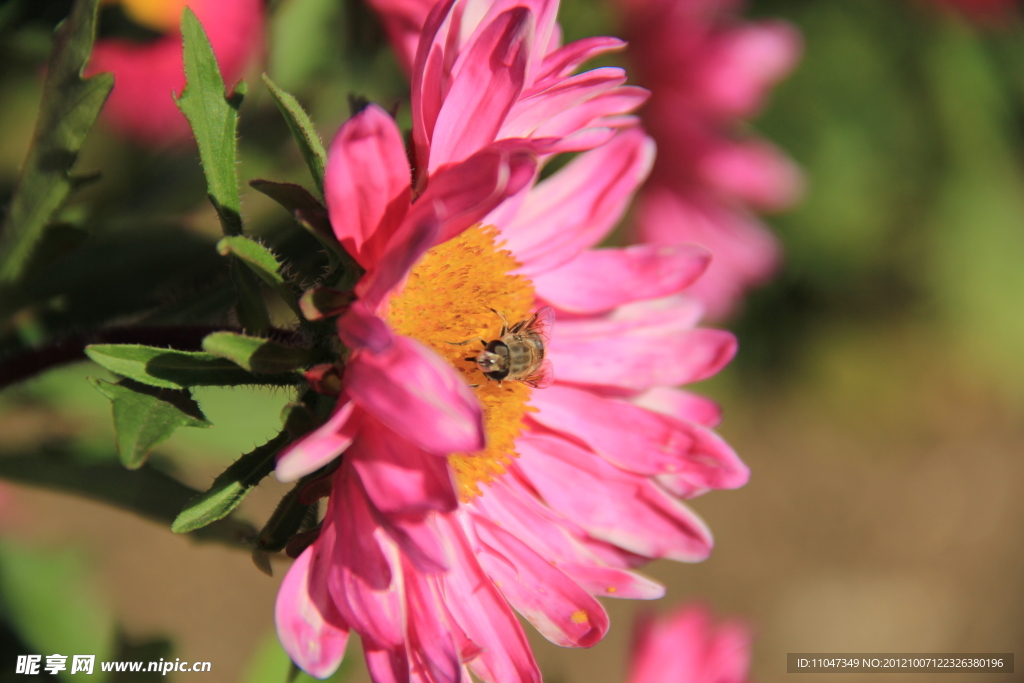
{"points": [[488, 362]]}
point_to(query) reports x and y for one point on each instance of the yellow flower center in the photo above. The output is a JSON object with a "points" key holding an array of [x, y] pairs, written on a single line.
{"points": [[159, 15], [447, 299]]}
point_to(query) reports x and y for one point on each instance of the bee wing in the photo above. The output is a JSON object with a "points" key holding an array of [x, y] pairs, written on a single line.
{"points": [[542, 377], [542, 323]]}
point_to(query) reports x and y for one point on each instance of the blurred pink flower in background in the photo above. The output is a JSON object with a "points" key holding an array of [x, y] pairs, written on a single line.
{"points": [[459, 498], [146, 73], [686, 647], [707, 72]]}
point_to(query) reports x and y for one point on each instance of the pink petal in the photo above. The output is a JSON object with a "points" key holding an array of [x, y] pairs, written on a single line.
{"points": [[457, 196], [612, 505], [686, 646], [529, 113], [562, 543], [311, 631], [416, 394], [742, 63], [417, 233], [429, 70], [745, 252], [354, 525], [753, 171], [484, 617], [462, 194], [575, 208], [420, 541], [598, 280], [431, 648], [608, 582], [557, 606], [680, 404], [378, 616], [320, 446], [366, 184], [563, 61], [387, 664], [361, 328], [639, 440], [403, 21], [398, 477], [616, 353], [488, 78], [604, 109]]}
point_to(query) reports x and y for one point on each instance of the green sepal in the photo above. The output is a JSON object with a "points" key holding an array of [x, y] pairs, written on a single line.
{"points": [[70, 106], [171, 369], [284, 523], [214, 120], [318, 303], [256, 354], [145, 416], [230, 487], [263, 263], [302, 129]]}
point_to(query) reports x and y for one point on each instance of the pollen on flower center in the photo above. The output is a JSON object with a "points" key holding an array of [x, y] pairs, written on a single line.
{"points": [[448, 298]]}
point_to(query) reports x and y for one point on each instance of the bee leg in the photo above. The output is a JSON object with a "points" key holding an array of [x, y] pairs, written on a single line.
{"points": [[504, 323], [463, 343]]}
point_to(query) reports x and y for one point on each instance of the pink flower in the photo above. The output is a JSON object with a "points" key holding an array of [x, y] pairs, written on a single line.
{"points": [[685, 647], [145, 74], [458, 498], [460, 102], [706, 72]]}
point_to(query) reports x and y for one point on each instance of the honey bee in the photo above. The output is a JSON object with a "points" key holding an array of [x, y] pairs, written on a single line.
{"points": [[518, 352]]}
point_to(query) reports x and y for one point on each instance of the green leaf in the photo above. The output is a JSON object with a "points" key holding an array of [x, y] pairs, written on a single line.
{"points": [[304, 207], [230, 487], [262, 262], [256, 354], [145, 491], [284, 523], [214, 121], [303, 131], [170, 369], [146, 416], [69, 107]]}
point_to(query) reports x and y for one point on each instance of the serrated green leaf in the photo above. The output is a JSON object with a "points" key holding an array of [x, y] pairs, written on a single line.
{"points": [[69, 107], [262, 262], [302, 129], [214, 120], [146, 416], [230, 487], [145, 491], [170, 369], [256, 354]]}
